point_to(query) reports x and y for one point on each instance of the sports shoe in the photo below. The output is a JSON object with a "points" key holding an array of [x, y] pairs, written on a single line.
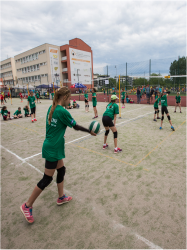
{"points": [[155, 120], [35, 120], [27, 212], [160, 128], [64, 199], [32, 120], [174, 111], [94, 117], [117, 150], [172, 128], [105, 146], [158, 118], [180, 111]]}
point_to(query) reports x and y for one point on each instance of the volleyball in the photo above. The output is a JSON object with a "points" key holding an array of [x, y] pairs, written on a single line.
{"points": [[94, 127]]}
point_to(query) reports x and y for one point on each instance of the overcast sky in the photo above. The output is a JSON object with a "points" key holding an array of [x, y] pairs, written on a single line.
{"points": [[117, 31]]}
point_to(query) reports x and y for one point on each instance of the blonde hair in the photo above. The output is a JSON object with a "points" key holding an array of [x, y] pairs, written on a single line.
{"points": [[64, 91]]}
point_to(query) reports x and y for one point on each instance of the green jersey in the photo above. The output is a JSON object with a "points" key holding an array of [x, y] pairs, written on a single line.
{"points": [[94, 99], [114, 93], [31, 100], [17, 112], [111, 110], [123, 95], [164, 101], [4, 112], [86, 96], [26, 111], [37, 95], [52, 94], [178, 99], [156, 103], [54, 144]]}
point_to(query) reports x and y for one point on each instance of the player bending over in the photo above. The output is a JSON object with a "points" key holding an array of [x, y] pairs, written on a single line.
{"points": [[109, 115], [53, 150], [164, 109]]}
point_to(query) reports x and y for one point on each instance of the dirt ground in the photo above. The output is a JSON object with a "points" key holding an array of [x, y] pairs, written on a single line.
{"points": [[132, 200]]}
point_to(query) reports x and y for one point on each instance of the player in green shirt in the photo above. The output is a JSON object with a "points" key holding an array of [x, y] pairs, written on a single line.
{"points": [[53, 150], [52, 95], [178, 102], [38, 97], [164, 109], [94, 102], [31, 101], [123, 94], [157, 100], [26, 109], [5, 113], [17, 114], [86, 101], [109, 115]]}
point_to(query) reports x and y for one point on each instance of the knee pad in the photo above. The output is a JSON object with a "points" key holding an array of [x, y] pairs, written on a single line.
{"points": [[162, 118], [88, 106], [115, 134], [107, 132], [60, 174], [155, 112], [169, 118], [45, 181]]}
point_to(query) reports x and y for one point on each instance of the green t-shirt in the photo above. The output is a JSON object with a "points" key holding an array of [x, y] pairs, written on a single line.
{"points": [[94, 99], [123, 94], [26, 111], [52, 94], [37, 95], [114, 93], [31, 100], [74, 103], [86, 96], [111, 111], [164, 101], [178, 99], [17, 112], [54, 144], [104, 91], [156, 103], [4, 112]]}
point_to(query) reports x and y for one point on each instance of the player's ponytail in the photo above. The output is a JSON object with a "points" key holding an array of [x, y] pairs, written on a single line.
{"points": [[64, 91]]}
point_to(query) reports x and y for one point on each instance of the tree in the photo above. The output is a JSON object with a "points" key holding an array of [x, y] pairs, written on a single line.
{"points": [[178, 67], [139, 82]]}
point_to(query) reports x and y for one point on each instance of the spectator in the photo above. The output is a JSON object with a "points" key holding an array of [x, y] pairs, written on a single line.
{"points": [[148, 94], [138, 95]]}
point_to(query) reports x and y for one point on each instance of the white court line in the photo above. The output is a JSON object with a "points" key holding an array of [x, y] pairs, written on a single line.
{"points": [[90, 135], [116, 225]]}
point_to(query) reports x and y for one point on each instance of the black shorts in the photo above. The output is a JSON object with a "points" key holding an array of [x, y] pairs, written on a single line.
{"points": [[94, 106], [123, 100], [107, 121], [155, 107], [86, 100], [33, 110], [177, 102], [51, 165], [164, 109]]}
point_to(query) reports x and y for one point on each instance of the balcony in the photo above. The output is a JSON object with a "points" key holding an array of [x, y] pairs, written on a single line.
{"points": [[64, 69], [65, 81], [64, 58]]}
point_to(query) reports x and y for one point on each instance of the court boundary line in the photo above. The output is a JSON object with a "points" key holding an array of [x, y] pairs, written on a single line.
{"points": [[147, 242], [159, 144]]}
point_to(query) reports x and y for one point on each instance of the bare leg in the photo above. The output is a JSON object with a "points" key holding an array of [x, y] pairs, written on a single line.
{"points": [[115, 139], [60, 185], [105, 136]]}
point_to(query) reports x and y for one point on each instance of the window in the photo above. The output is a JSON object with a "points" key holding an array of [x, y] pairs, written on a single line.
{"points": [[33, 78], [36, 78], [44, 51], [38, 67], [46, 75], [39, 77]]}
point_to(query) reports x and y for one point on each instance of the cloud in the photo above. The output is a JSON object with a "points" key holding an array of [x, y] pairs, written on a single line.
{"points": [[117, 31]]}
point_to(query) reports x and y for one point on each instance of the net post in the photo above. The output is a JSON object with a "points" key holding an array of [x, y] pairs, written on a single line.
{"points": [[119, 100]]}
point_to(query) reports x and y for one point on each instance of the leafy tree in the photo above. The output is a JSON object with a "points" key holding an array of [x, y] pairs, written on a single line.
{"points": [[139, 82], [178, 67]]}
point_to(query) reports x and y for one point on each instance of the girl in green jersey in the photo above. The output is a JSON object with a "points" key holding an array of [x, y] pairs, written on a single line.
{"points": [[178, 102], [86, 101], [109, 115], [94, 101], [53, 150]]}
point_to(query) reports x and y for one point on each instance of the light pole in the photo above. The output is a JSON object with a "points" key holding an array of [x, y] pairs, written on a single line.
{"points": [[116, 76]]}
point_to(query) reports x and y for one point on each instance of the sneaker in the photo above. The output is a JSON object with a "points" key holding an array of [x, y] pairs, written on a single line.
{"points": [[155, 120], [27, 212], [94, 117], [172, 128], [180, 111], [160, 128], [117, 150], [174, 111], [158, 118], [64, 199], [105, 146], [32, 120], [35, 120]]}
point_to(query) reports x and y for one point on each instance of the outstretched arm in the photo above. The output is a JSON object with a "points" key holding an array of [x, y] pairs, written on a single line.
{"points": [[78, 127]]}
